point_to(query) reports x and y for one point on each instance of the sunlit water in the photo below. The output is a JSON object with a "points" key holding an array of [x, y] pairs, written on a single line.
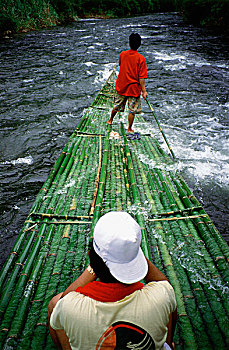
{"points": [[48, 78]]}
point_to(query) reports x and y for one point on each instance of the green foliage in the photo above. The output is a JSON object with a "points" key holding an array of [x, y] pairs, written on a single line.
{"points": [[6, 22], [205, 12], [115, 7], [66, 9], [167, 5], [25, 14], [31, 14]]}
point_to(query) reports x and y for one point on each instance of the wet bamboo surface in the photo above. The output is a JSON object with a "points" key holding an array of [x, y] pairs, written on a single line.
{"points": [[94, 175]]}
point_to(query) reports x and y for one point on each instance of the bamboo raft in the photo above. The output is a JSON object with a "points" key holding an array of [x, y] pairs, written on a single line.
{"points": [[96, 174]]}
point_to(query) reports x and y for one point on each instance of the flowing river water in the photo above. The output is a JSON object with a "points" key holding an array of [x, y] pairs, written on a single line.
{"points": [[49, 77]]}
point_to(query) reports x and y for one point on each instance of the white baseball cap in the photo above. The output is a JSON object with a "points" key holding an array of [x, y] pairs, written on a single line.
{"points": [[117, 239]]}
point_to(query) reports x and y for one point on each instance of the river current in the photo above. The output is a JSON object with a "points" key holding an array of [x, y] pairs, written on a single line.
{"points": [[48, 77]]}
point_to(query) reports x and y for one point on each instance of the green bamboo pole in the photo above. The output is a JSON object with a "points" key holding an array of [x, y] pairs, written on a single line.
{"points": [[216, 338], [57, 264], [112, 176], [117, 174], [188, 290], [146, 197], [22, 236], [78, 190], [124, 174], [31, 260], [223, 246], [153, 151], [213, 249], [66, 164], [186, 327], [210, 265], [160, 128], [181, 205], [135, 195], [99, 199], [168, 263]]}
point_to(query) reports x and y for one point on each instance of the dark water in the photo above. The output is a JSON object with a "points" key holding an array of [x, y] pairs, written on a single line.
{"points": [[48, 78]]}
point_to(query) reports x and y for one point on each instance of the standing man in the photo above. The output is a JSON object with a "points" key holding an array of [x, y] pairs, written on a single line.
{"points": [[130, 81], [116, 312]]}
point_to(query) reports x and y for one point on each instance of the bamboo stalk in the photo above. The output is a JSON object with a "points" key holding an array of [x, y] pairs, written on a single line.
{"points": [[26, 273], [97, 177], [215, 339], [136, 199], [213, 249], [99, 199], [190, 343], [166, 259], [57, 267]]}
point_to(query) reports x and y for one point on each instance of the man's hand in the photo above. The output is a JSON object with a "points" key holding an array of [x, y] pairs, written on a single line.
{"points": [[144, 94], [86, 277], [142, 83]]}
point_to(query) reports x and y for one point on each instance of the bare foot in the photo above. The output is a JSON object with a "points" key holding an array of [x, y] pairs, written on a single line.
{"points": [[109, 122], [130, 130]]}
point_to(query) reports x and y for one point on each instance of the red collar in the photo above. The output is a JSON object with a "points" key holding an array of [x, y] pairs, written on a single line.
{"points": [[108, 292]]}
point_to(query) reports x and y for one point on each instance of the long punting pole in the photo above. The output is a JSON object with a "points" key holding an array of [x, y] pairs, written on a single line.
{"points": [[160, 128]]}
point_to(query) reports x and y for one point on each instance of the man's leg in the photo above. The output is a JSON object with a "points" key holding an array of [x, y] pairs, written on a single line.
{"points": [[113, 113], [134, 105], [59, 337], [130, 120], [119, 105]]}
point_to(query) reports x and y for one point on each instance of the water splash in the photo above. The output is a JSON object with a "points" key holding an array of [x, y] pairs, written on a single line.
{"points": [[26, 160], [192, 259], [144, 209], [102, 75]]}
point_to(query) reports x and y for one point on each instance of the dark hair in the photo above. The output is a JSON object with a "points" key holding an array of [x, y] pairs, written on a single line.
{"points": [[134, 41], [100, 268]]}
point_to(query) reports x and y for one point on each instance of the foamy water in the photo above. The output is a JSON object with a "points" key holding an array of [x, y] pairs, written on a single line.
{"points": [[27, 160]]}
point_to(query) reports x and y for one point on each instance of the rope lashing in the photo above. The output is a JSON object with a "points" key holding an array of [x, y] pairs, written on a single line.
{"points": [[178, 218], [67, 222]]}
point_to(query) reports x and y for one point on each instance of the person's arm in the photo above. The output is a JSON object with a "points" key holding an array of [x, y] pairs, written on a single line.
{"points": [[154, 274], [171, 328], [81, 281], [142, 83]]}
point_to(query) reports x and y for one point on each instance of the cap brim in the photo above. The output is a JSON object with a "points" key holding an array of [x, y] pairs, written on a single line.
{"points": [[130, 272]]}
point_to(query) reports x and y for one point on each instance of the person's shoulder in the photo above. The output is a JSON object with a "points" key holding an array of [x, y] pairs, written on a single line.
{"points": [[141, 55], [163, 282], [163, 288], [125, 52], [71, 296], [159, 284]]}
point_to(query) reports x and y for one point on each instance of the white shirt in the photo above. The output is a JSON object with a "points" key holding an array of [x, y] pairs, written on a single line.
{"points": [[138, 320]]}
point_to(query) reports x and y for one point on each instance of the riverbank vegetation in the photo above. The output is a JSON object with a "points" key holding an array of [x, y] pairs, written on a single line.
{"points": [[23, 15], [207, 13]]}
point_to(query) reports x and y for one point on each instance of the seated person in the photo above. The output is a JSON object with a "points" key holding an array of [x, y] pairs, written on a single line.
{"points": [[117, 311]]}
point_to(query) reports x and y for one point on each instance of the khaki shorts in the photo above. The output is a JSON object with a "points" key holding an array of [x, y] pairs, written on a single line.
{"points": [[134, 104]]}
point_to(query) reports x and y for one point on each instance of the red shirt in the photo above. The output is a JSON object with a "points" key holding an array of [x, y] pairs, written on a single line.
{"points": [[132, 68]]}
